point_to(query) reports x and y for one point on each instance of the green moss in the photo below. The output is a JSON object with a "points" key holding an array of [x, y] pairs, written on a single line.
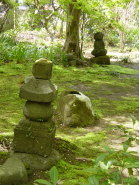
{"points": [[69, 173], [129, 104], [6, 135], [110, 94]]}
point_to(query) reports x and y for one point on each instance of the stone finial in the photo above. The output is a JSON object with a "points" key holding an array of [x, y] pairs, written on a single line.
{"points": [[98, 36], [42, 69]]}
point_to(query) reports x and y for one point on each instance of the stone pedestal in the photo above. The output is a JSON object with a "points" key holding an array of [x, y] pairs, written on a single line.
{"points": [[99, 50]]}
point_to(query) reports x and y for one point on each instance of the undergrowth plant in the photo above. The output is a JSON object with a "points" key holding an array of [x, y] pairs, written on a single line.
{"points": [[23, 52], [53, 173], [117, 166], [112, 167]]}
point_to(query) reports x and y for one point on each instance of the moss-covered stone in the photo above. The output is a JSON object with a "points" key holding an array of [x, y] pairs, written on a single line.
{"points": [[98, 36], [34, 137], [34, 162], [38, 111], [38, 90], [42, 69], [99, 52], [13, 171], [102, 60], [75, 109], [99, 44]]}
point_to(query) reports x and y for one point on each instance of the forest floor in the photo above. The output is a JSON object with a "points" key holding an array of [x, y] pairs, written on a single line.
{"points": [[114, 93]]}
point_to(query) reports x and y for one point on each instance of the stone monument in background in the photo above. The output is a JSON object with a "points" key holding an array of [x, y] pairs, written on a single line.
{"points": [[99, 50]]}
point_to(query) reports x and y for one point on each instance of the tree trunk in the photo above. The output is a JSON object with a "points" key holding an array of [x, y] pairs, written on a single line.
{"points": [[72, 31], [82, 31], [61, 29], [6, 9], [122, 41]]}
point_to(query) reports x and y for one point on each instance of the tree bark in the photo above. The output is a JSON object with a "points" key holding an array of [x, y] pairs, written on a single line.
{"points": [[122, 41], [61, 29], [72, 31], [3, 20]]}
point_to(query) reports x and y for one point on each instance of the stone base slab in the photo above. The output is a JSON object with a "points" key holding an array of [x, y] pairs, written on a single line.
{"points": [[102, 60], [34, 162], [34, 137]]}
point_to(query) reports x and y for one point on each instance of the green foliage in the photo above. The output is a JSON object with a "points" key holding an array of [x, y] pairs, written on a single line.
{"points": [[21, 52], [109, 166], [93, 181], [53, 173]]}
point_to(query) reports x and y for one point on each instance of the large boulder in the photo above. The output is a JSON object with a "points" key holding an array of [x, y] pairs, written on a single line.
{"points": [[13, 171], [75, 109], [38, 90]]}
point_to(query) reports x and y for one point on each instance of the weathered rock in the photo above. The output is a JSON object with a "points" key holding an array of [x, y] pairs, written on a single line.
{"points": [[75, 109], [38, 111], [34, 137], [35, 125], [13, 171], [38, 90], [98, 36], [99, 52], [102, 60], [27, 79], [42, 69], [34, 162], [99, 44]]}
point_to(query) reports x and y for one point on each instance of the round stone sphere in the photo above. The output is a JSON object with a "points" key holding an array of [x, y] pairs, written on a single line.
{"points": [[98, 36], [42, 69]]}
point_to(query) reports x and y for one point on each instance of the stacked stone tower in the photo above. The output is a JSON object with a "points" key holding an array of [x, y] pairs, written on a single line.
{"points": [[99, 50], [34, 135], [36, 131]]}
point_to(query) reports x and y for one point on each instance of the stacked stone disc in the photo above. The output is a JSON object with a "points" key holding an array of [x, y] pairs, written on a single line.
{"points": [[35, 132], [99, 50]]}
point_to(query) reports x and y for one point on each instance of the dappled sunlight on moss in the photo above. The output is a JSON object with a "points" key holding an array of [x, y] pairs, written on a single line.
{"points": [[113, 98]]}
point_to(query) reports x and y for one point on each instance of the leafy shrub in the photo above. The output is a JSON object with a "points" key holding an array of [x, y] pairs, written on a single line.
{"points": [[22, 52], [109, 166], [53, 173]]}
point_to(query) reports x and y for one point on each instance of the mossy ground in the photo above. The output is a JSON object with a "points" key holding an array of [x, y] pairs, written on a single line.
{"points": [[112, 96]]}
